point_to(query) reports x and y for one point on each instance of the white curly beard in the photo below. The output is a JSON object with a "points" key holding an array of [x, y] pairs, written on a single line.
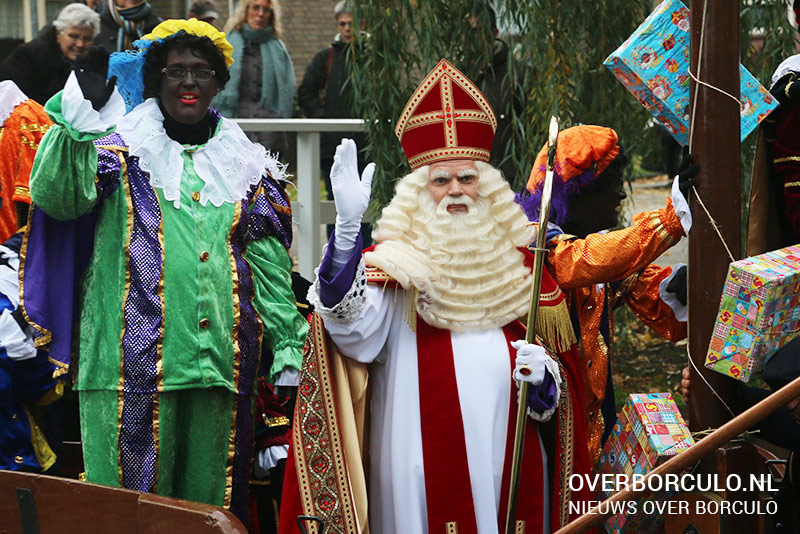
{"points": [[466, 267]]}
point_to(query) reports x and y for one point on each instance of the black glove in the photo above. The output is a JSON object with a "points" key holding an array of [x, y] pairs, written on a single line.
{"points": [[91, 71], [678, 284], [687, 171]]}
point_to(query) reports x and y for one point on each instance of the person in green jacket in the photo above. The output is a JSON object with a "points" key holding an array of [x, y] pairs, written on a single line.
{"points": [[189, 270]]}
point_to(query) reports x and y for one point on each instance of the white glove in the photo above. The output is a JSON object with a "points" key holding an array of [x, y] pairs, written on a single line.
{"points": [[350, 194], [530, 362]]}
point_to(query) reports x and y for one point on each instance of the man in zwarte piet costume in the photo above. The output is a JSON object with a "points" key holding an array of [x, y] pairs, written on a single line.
{"points": [[600, 270], [180, 231], [407, 397]]}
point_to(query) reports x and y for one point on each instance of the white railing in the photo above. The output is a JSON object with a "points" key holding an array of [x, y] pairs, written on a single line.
{"points": [[308, 210]]}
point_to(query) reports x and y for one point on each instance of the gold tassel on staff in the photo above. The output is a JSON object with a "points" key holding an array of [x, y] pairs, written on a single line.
{"points": [[538, 265]]}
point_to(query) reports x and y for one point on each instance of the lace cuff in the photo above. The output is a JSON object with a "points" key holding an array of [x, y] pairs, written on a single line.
{"points": [[82, 117], [351, 305], [552, 367], [268, 458]]}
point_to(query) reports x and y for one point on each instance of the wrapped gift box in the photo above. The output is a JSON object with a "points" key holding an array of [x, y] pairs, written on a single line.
{"points": [[649, 430], [653, 64], [758, 312]]}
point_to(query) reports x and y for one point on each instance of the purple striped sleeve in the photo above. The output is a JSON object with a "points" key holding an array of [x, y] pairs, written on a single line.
{"points": [[542, 397], [333, 284]]}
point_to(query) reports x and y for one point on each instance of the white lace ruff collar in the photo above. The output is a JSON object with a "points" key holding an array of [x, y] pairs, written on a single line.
{"points": [[10, 97], [229, 164]]}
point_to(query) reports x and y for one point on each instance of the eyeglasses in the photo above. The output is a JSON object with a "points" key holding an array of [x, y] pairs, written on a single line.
{"points": [[78, 38], [179, 73], [260, 9]]}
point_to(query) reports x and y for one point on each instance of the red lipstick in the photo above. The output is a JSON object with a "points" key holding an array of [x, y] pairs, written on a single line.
{"points": [[188, 98]]}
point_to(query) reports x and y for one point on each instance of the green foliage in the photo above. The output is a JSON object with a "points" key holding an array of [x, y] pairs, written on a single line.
{"points": [[773, 39], [555, 66]]}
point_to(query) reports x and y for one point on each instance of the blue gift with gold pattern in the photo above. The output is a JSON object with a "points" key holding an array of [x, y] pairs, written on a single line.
{"points": [[653, 64]]}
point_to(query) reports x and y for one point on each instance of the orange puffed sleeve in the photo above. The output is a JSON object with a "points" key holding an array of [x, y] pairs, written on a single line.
{"points": [[644, 299], [33, 124], [604, 258]]}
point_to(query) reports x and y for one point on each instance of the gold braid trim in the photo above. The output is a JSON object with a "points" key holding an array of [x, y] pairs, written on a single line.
{"points": [[566, 435], [376, 276], [553, 325], [410, 308]]}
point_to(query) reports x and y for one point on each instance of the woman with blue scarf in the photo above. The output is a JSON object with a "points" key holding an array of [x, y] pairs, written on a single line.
{"points": [[262, 76]]}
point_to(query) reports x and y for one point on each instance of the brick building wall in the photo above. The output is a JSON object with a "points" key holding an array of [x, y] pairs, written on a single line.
{"points": [[308, 27]]}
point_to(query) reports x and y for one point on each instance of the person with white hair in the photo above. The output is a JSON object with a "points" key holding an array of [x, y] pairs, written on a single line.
{"points": [[41, 67], [432, 314]]}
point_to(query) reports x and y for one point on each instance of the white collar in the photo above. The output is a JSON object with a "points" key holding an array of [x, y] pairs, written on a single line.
{"points": [[229, 164], [10, 97], [790, 64]]}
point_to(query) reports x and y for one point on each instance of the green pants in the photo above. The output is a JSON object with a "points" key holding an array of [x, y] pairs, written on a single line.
{"points": [[177, 443]]}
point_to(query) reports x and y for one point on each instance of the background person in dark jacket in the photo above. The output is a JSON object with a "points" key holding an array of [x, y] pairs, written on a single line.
{"points": [[204, 10], [325, 93], [40, 67], [124, 21]]}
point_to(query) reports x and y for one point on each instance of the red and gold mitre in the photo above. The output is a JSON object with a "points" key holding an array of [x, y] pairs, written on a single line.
{"points": [[447, 117]]}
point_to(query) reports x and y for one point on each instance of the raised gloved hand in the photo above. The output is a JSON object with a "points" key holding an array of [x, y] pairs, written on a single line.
{"points": [[677, 284], [530, 362], [91, 71], [350, 193], [687, 172]]}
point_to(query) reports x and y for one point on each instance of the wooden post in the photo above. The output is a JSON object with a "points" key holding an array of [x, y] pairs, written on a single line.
{"points": [[716, 147]]}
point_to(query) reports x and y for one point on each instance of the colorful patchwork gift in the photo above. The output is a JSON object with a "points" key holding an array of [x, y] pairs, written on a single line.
{"points": [[758, 312], [653, 64], [650, 429]]}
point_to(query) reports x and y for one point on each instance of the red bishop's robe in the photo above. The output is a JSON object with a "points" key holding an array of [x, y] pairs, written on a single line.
{"points": [[330, 451]]}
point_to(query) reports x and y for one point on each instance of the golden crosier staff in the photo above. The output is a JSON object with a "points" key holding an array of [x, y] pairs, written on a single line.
{"points": [[538, 264]]}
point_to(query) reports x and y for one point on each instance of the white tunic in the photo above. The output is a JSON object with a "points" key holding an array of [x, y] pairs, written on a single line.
{"points": [[382, 336]]}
